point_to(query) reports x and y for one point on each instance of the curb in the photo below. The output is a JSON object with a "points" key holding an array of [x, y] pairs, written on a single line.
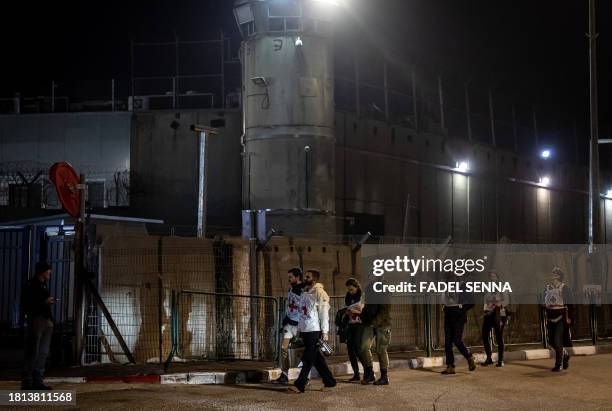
{"points": [[521, 355], [343, 368]]}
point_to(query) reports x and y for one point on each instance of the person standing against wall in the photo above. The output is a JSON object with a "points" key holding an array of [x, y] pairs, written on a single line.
{"points": [[313, 325], [36, 303], [290, 321], [558, 300]]}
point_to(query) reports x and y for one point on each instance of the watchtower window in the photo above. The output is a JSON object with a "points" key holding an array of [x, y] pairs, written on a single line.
{"points": [[284, 15], [284, 8]]}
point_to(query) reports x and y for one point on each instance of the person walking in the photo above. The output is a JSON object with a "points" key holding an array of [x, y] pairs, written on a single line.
{"points": [[290, 321], [353, 306], [313, 326], [494, 319], [455, 317], [36, 304], [376, 320], [558, 300]]}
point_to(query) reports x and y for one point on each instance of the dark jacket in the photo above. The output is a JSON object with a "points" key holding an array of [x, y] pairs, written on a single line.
{"points": [[34, 299], [376, 315], [351, 299]]}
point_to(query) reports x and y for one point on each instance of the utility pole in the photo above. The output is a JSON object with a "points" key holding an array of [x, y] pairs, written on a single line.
{"points": [[594, 223]]}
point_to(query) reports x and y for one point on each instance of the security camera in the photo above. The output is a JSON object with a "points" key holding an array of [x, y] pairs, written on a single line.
{"points": [[260, 81]]}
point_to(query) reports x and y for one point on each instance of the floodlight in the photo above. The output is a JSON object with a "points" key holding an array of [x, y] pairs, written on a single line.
{"points": [[545, 181], [463, 166]]}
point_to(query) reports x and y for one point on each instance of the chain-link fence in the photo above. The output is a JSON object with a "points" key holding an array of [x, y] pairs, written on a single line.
{"points": [[215, 326]]}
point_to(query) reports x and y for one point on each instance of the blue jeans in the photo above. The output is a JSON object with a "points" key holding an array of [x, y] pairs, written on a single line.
{"points": [[38, 341]]}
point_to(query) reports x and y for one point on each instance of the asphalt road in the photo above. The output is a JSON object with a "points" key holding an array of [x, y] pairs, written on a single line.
{"points": [[526, 385]]}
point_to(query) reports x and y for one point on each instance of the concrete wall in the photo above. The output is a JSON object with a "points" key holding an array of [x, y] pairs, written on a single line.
{"points": [[379, 166], [97, 144], [165, 167]]}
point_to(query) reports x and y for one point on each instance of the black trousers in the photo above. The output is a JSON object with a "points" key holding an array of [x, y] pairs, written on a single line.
{"points": [[454, 323], [312, 357], [489, 323], [353, 345], [38, 340], [559, 337]]}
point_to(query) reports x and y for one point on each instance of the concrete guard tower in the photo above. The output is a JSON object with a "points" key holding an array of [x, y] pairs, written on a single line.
{"points": [[288, 114]]}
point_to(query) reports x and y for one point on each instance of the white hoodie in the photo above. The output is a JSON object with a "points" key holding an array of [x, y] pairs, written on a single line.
{"points": [[314, 310]]}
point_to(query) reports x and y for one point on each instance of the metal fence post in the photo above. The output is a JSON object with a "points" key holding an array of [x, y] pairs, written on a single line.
{"points": [[543, 327], [173, 330], [441, 98], [428, 333], [467, 109]]}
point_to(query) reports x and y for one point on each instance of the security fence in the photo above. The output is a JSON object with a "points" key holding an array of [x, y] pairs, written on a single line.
{"points": [[194, 298], [217, 326]]}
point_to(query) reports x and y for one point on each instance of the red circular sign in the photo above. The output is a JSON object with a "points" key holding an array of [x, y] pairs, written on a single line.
{"points": [[66, 183]]}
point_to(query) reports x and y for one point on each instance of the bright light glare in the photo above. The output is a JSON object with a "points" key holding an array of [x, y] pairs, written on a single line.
{"points": [[463, 166], [545, 154], [545, 181], [609, 194], [332, 2]]}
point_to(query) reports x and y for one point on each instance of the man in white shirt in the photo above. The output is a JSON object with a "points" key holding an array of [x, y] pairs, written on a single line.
{"points": [[313, 325], [290, 321]]}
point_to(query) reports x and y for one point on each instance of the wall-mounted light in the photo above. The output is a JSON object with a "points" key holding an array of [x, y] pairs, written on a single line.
{"points": [[462, 166], [330, 2], [545, 181], [546, 154]]}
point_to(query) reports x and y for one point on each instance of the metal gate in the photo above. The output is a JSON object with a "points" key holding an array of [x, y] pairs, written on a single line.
{"points": [[20, 249], [14, 268], [58, 252]]}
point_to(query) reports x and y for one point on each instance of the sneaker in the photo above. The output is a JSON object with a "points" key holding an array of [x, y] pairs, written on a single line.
{"points": [[486, 362], [500, 364], [282, 380], [356, 377], [471, 364], [557, 368], [566, 358], [332, 385], [295, 390], [449, 370]]}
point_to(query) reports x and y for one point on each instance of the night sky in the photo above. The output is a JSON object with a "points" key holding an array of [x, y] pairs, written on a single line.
{"points": [[532, 50]]}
